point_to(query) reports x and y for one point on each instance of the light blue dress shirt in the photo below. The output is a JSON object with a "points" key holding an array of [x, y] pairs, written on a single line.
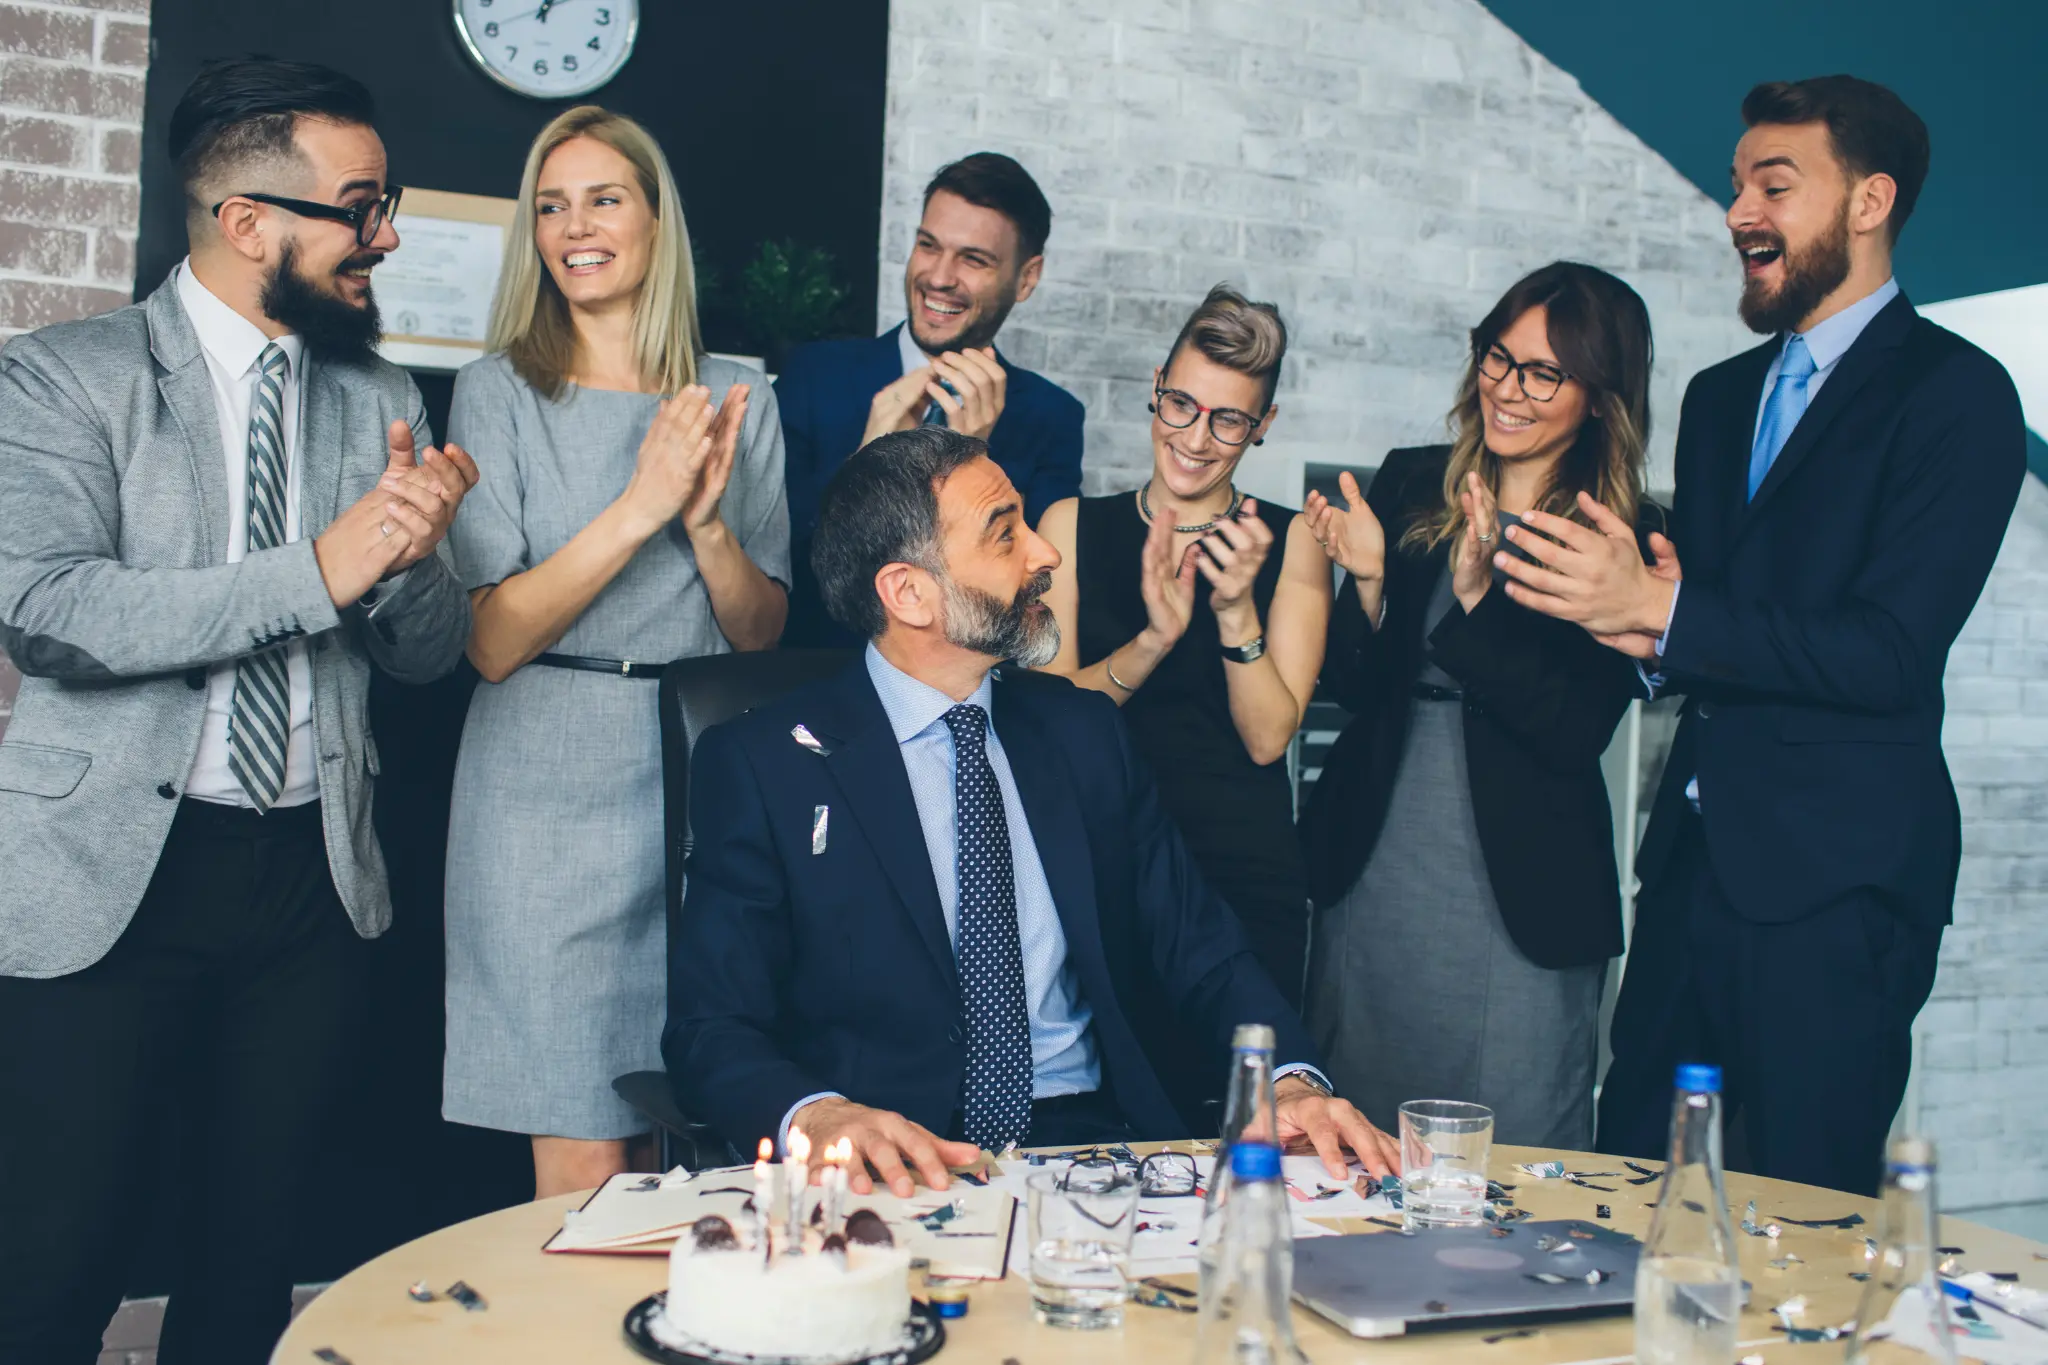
{"points": [[1827, 343]]}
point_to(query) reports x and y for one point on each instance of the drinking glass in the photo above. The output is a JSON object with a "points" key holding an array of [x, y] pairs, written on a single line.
{"points": [[1081, 1221], [1444, 1146]]}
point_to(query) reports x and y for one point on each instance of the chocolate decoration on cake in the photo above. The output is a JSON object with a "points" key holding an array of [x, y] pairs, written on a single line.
{"points": [[712, 1233], [865, 1227], [817, 1215], [835, 1245]]}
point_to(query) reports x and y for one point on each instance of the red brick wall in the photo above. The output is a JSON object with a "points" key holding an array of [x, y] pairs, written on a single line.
{"points": [[71, 74]]}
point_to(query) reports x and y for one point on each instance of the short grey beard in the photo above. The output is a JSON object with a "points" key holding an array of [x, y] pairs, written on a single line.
{"points": [[982, 622]]}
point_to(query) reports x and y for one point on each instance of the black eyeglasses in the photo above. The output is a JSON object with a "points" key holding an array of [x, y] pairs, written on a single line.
{"points": [[1539, 379], [1179, 410], [1163, 1175], [368, 219]]}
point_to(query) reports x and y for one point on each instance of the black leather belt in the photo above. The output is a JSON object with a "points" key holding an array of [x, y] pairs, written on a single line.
{"points": [[1423, 691], [618, 668]]}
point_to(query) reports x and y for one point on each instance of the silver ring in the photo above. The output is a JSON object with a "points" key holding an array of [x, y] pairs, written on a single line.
{"points": [[1486, 538], [384, 527]]}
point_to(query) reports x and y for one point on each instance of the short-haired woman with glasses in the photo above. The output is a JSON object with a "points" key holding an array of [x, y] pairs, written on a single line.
{"points": [[1202, 613], [635, 514], [1460, 847]]}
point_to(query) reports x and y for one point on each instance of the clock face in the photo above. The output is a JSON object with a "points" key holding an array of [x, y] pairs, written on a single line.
{"points": [[549, 49]]}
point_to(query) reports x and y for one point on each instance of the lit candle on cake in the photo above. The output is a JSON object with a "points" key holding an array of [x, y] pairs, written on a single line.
{"points": [[796, 1174], [764, 1192], [837, 1158]]}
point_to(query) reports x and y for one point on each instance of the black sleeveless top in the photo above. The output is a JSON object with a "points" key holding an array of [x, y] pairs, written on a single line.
{"points": [[1236, 815]]}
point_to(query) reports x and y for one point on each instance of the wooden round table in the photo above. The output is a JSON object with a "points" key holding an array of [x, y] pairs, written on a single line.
{"points": [[568, 1308]]}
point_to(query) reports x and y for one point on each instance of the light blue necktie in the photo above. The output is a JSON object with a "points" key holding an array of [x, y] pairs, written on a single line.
{"points": [[1781, 411]]}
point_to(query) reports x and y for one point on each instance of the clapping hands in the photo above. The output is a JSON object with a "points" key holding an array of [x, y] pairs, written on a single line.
{"points": [[686, 459]]}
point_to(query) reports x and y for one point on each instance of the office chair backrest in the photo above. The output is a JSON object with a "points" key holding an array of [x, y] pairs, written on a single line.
{"points": [[697, 694]]}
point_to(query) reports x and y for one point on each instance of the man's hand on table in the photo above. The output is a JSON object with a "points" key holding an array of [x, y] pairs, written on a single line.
{"points": [[888, 1142], [1333, 1125]]}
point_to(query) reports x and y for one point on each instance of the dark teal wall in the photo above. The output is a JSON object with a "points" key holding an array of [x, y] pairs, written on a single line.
{"points": [[1674, 71]]}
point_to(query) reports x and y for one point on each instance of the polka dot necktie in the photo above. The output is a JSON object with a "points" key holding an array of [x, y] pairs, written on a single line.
{"points": [[991, 956]]}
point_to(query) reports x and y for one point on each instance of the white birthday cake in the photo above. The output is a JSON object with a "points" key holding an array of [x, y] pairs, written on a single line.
{"points": [[839, 1297]]}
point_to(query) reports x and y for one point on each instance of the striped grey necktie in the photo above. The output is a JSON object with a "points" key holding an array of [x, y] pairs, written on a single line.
{"points": [[260, 721]]}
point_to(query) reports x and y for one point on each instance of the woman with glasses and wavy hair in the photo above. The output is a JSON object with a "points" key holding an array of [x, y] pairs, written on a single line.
{"points": [[631, 512], [1202, 613], [1459, 843]]}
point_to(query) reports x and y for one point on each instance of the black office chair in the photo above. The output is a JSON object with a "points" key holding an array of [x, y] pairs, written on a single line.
{"points": [[696, 694]]}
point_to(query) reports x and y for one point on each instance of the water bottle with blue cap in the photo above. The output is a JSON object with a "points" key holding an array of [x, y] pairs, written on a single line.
{"points": [[1688, 1283], [1247, 1314]]}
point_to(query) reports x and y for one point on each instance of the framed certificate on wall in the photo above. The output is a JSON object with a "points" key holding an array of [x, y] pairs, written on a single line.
{"points": [[435, 290]]}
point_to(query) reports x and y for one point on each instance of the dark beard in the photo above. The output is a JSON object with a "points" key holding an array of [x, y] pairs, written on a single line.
{"points": [[983, 623], [983, 333], [1810, 276], [331, 327]]}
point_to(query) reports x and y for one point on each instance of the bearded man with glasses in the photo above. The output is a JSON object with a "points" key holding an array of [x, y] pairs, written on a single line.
{"points": [[223, 513]]}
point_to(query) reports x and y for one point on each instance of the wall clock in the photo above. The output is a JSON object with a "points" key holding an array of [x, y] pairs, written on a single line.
{"points": [[548, 49]]}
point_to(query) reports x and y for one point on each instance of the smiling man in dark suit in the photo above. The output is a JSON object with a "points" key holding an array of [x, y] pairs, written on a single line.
{"points": [[927, 899], [978, 253], [1842, 490]]}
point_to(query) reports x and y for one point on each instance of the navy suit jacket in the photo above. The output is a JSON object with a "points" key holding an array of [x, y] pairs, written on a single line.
{"points": [[1815, 620], [792, 972], [824, 392]]}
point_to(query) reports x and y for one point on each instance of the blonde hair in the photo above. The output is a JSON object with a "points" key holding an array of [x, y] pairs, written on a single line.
{"points": [[529, 317], [1237, 334], [1601, 332]]}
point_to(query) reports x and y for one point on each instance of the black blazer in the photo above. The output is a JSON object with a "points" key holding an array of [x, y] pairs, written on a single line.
{"points": [[792, 973], [1815, 620], [1541, 703]]}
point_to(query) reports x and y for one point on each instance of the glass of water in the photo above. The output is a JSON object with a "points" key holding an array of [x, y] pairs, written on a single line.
{"points": [[1444, 1146], [1081, 1222]]}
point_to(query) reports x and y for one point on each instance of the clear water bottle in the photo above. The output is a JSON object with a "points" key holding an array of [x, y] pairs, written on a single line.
{"points": [[1247, 1303], [1905, 1269], [1247, 1105], [1688, 1284]]}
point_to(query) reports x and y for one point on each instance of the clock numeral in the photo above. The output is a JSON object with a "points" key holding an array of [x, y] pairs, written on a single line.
{"points": [[593, 45], [569, 63], [491, 29], [511, 54], [483, 4], [604, 17], [540, 68]]}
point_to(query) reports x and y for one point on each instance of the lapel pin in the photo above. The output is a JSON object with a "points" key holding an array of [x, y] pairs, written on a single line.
{"points": [[802, 735], [820, 817]]}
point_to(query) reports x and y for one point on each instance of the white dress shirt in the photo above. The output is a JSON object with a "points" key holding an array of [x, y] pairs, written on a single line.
{"points": [[232, 345], [913, 354]]}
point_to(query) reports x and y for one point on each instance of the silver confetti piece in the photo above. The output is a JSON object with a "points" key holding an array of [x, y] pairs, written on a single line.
{"points": [[821, 816], [467, 1297], [329, 1355], [420, 1293], [802, 735]]}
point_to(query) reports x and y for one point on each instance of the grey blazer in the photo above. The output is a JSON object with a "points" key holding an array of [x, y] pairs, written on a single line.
{"points": [[115, 597]]}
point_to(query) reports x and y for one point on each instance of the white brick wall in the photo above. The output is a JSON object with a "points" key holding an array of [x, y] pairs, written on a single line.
{"points": [[1983, 1078], [1383, 169], [70, 155]]}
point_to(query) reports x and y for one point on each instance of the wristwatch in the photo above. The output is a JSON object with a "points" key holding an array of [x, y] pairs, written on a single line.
{"points": [[1251, 651], [1312, 1081]]}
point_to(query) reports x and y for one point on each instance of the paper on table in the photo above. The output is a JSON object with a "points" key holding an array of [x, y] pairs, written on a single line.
{"points": [[2016, 1342], [622, 1218], [1170, 1227]]}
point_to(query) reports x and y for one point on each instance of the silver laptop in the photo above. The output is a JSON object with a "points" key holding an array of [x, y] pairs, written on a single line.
{"points": [[1381, 1284]]}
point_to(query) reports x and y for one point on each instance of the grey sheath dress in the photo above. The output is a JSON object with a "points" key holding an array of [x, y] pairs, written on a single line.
{"points": [[556, 936]]}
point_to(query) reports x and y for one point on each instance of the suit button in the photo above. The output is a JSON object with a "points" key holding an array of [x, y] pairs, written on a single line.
{"points": [[953, 1034], [167, 792], [196, 680]]}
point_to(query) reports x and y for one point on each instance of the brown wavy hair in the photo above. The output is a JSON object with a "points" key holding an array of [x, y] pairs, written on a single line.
{"points": [[1600, 330]]}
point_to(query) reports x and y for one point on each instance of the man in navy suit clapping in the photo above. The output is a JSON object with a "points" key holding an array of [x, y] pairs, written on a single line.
{"points": [[978, 253], [932, 906]]}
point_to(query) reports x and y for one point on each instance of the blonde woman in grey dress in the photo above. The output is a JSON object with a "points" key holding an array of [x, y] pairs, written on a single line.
{"points": [[631, 509]]}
